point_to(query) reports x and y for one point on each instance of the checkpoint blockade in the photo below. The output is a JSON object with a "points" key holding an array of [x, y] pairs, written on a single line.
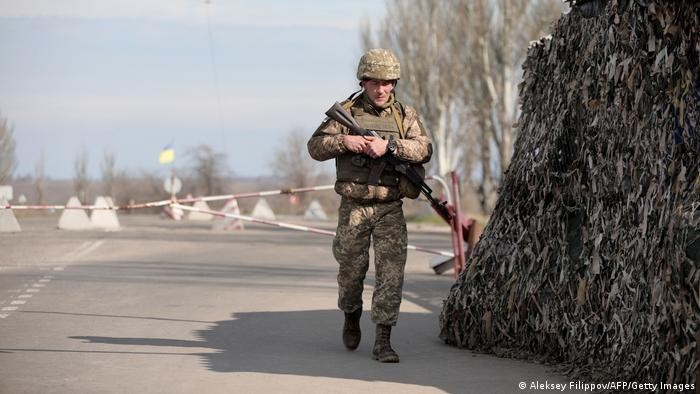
{"points": [[74, 216]]}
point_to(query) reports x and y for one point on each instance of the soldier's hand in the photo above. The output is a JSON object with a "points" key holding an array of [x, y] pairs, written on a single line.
{"points": [[376, 147], [354, 143]]}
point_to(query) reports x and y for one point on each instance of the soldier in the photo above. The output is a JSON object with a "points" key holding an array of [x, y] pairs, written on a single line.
{"points": [[371, 193]]}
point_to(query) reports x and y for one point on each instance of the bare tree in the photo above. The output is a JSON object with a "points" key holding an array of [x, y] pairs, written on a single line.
{"points": [[418, 32], [108, 173], [460, 62], [40, 178], [497, 34], [143, 186], [291, 161], [209, 169], [292, 165], [8, 160], [81, 180]]}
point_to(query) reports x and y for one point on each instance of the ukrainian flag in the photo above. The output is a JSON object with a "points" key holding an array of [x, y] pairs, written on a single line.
{"points": [[167, 155]]}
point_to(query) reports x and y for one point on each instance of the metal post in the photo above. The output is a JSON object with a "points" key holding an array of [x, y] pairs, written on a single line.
{"points": [[172, 183], [453, 227], [175, 199], [455, 246], [291, 226], [459, 257]]}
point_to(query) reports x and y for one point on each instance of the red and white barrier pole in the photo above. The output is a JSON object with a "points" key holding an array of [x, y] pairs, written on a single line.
{"points": [[257, 194], [168, 202], [459, 261], [87, 207], [254, 220], [292, 226]]}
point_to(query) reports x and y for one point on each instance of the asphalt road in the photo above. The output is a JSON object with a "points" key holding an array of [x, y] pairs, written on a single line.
{"points": [[174, 307]]}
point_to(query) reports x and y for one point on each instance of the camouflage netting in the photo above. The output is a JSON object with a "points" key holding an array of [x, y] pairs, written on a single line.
{"points": [[591, 257]]}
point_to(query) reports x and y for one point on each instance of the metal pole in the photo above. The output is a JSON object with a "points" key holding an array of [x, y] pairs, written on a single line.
{"points": [[87, 207], [172, 183], [167, 202], [458, 225], [292, 226], [455, 246], [257, 194]]}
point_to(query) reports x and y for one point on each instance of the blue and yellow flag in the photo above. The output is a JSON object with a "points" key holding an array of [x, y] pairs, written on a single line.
{"points": [[167, 155]]}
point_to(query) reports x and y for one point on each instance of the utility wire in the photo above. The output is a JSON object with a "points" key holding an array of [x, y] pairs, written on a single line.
{"points": [[216, 77]]}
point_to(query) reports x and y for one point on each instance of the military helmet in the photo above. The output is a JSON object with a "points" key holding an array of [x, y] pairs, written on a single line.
{"points": [[379, 64]]}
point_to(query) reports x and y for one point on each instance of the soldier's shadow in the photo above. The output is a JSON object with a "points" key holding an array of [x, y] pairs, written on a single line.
{"points": [[308, 343]]}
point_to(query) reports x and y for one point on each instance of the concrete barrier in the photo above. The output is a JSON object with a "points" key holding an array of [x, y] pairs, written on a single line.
{"points": [[227, 223], [8, 221], [200, 216], [315, 211], [262, 210], [74, 219], [105, 219]]}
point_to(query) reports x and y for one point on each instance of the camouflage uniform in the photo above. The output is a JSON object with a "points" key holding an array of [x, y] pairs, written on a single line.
{"points": [[371, 212]]}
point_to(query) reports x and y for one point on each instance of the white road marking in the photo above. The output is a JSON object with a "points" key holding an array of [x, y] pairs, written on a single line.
{"points": [[21, 299], [71, 255], [83, 250], [92, 248]]}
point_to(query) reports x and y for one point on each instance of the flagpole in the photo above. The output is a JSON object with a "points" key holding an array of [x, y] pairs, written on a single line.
{"points": [[167, 155], [172, 182]]}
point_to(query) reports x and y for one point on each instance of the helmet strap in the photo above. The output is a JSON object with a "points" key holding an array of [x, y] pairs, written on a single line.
{"points": [[355, 95]]}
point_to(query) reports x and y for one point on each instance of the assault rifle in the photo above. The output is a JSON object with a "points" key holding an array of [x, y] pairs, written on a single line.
{"points": [[340, 115]]}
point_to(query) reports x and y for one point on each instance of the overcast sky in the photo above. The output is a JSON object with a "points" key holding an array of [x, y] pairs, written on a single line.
{"points": [[131, 76]]}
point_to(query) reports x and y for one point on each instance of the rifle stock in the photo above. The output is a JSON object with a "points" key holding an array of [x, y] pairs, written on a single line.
{"points": [[340, 115]]}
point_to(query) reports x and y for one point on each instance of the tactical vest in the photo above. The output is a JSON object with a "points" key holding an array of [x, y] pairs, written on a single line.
{"points": [[355, 167]]}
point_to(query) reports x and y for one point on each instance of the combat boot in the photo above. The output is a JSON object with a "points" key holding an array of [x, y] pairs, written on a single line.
{"points": [[382, 350], [351, 329]]}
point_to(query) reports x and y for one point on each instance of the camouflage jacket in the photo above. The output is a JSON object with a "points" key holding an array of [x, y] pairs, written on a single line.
{"points": [[327, 143]]}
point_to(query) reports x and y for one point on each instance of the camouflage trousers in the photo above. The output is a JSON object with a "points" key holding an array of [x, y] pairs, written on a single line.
{"points": [[384, 224]]}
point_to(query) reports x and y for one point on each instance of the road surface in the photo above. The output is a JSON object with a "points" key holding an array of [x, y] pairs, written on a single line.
{"points": [[174, 307]]}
